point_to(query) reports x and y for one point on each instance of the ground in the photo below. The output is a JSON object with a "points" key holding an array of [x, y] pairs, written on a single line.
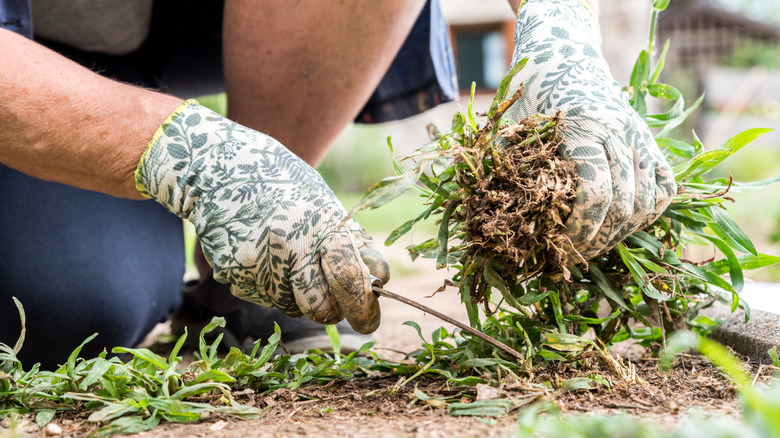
{"points": [[375, 406]]}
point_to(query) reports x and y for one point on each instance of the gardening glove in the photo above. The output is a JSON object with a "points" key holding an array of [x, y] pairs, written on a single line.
{"points": [[267, 222], [625, 182]]}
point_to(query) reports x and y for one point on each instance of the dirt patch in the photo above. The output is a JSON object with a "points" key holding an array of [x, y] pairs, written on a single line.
{"points": [[374, 406]]}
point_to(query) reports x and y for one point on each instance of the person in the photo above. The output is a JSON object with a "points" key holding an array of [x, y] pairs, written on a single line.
{"points": [[79, 149]]}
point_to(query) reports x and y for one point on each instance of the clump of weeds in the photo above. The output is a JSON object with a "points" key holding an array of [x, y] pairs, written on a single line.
{"points": [[500, 196]]}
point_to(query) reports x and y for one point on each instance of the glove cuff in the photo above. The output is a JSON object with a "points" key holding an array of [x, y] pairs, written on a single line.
{"points": [[139, 184]]}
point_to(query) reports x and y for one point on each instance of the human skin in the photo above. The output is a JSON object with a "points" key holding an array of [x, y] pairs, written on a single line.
{"points": [[299, 72], [61, 122]]}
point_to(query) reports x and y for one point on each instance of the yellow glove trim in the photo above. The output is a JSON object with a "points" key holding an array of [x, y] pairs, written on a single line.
{"points": [[139, 185]]}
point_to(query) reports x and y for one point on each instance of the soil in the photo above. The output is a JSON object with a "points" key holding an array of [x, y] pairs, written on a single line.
{"points": [[366, 406]]}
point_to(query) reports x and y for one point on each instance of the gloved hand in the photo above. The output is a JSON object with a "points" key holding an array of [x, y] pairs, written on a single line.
{"points": [[625, 181], [267, 221]]}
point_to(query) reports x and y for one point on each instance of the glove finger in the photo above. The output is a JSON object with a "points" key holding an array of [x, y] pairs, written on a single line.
{"points": [[623, 198], [654, 186], [665, 186], [369, 252], [349, 281], [594, 192], [313, 298]]}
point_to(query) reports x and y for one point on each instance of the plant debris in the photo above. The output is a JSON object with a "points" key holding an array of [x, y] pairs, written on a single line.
{"points": [[514, 211]]}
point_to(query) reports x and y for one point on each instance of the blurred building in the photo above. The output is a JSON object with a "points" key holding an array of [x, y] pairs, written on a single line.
{"points": [[732, 60], [482, 32], [704, 34]]}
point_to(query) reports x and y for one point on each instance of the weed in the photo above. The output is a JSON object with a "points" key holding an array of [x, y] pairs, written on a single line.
{"points": [[531, 301], [135, 396]]}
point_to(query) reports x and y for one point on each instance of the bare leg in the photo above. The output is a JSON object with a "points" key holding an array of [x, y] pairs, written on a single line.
{"points": [[301, 71]]}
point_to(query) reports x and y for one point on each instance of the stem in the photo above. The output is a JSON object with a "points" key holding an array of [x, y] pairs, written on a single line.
{"points": [[651, 39], [501, 346]]}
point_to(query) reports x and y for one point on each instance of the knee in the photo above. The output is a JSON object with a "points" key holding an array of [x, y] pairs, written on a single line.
{"points": [[57, 321]]}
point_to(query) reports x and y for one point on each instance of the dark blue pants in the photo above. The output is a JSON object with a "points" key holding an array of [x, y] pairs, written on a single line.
{"points": [[83, 262]]}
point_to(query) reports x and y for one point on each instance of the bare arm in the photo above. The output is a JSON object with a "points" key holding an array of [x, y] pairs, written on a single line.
{"points": [[62, 122], [301, 71]]}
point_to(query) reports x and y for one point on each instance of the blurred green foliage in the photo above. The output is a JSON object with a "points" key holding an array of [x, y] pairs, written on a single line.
{"points": [[751, 54]]}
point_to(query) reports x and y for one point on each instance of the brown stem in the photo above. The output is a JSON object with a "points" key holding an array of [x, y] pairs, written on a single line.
{"points": [[501, 346]]}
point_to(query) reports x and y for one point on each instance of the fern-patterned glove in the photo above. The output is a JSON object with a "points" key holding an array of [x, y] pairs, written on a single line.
{"points": [[625, 181], [267, 221]]}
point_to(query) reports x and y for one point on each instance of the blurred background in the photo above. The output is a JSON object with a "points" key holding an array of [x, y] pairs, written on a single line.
{"points": [[728, 50]]}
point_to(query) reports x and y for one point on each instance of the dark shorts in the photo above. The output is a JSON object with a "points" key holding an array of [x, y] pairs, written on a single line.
{"points": [[83, 262]]}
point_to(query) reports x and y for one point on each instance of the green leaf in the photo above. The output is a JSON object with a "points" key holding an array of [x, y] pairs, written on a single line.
{"points": [[71, 364], [99, 368], [198, 388], [176, 348], [578, 384], [495, 280], [638, 76], [639, 274], [773, 355], [503, 87], [701, 163], [664, 91], [481, 408], [467, 381], [215, 376], [531, 298], [398, 168], [457, 123], [565, 341], [43, 417], [144, 354], [472, 115], [706, 161], [408, 225], [660, 64], [483, 362], [675, 122], [444, 235], [111, 411], [550, 355], [605, 286], [268, 349], [213, 324], [679, 148], [649, 265], [749, 186], [660, 4], [130, 425], [587, 320], [744, 138], [388, 189], [731, 232], [748, 261], [178, 411], [243, 411], [416, 327], [735, 270]]}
